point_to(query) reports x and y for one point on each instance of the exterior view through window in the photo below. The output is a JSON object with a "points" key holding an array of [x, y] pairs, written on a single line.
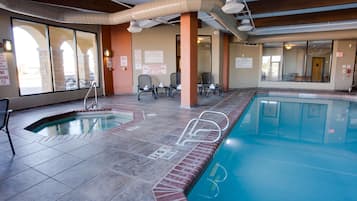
{"points": [[51, 59], [32, 57]]}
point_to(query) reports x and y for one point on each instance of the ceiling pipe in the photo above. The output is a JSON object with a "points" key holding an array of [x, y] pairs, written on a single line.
{"points": [[143, 11]]}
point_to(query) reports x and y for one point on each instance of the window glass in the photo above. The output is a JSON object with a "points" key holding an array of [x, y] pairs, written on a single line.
{"points": [[63, 59], [299, 61], [87, 58], [32, 57], [204, 55], [204, 60], [318, 60], [294, 61], [272, 62]]}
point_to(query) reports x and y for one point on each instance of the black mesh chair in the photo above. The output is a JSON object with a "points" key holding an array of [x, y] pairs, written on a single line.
{"points": [[4, 120], [206, 80], [145, 85], [207, 85], [175, 81]]}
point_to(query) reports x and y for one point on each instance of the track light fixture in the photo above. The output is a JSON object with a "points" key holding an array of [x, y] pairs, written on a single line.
{"points": [[245, 25], [232, 6], [134, 27]]}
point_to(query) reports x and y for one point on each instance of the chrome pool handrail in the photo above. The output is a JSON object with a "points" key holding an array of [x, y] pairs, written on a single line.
{"points": [[210, 112], [95, 103], [193, 132]]}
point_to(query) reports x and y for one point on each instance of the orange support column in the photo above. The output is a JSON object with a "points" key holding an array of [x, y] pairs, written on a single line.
{"points": [[108, 76], [188, 31], [225, 70], [121, 46]]}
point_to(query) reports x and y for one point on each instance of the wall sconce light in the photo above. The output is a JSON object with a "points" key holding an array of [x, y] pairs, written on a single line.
{"points": [[108, 59], [7, 45], [107, 53]]}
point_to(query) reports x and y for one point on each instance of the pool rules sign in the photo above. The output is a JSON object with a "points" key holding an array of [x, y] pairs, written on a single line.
{"points": [[4, 71]]}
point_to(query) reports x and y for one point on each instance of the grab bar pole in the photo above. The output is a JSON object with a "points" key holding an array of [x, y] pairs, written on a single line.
{"points": [[93, 85]]}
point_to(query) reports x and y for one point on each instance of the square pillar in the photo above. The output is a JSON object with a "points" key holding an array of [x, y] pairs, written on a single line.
{"points": [[225, 70], [188, 31]]}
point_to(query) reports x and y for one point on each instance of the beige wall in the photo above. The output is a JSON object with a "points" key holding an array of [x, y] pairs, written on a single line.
{"points": [[163, 38], [348, 47], [12, 91], [242, 78]]}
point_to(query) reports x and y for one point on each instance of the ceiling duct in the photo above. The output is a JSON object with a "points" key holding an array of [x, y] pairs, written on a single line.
{"points": [[143, 11]]}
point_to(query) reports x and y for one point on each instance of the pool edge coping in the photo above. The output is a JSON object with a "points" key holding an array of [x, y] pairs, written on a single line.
{"points": [[174, 185], [182, 175]]}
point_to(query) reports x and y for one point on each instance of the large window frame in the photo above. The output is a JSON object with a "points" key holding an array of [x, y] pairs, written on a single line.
{"points": [[76, 66], [301, 69], [201, 40]]}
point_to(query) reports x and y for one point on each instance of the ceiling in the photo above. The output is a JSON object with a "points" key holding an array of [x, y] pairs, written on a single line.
{"points": [[269, 16]]}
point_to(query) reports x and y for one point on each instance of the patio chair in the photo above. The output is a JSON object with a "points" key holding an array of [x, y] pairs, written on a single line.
{"points": [[145, 85], [208, 86], [175, 82], [4, 120], [206, 80]]}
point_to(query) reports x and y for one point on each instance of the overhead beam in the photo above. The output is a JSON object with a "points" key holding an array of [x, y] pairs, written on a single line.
{"points": [[268, 6], [103, 6], [308, 18]]}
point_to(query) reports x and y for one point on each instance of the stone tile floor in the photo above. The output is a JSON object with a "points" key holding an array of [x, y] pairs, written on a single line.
{"points": [[111, 165], [106, 166]]}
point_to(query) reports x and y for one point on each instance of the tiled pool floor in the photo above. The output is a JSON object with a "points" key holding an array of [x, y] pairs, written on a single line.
{"points": [[108, 166]]}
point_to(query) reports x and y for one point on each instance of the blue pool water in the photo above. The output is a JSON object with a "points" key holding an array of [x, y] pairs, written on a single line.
{"points": [[82, 123], [286, 149]]}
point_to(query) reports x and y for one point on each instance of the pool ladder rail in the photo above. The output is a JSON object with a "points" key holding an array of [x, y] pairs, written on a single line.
{"points": [[94, 104], [193, 132]]}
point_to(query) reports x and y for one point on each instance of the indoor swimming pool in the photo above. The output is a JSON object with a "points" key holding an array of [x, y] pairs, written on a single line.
{"points": [[77, 123], [285, 149]]}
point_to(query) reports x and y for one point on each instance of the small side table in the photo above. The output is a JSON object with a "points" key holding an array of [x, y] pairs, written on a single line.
{"points": [[161, 89], [217, 88]]}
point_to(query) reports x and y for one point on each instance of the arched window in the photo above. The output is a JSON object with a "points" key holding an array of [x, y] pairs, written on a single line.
{"points": [[49, 59], [63, 58], [32, 57], [69, 66], [87, 58]]}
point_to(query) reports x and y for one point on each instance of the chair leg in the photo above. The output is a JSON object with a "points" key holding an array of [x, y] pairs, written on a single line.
{"points": [[10, 141], [154, 94], [139, 96]]}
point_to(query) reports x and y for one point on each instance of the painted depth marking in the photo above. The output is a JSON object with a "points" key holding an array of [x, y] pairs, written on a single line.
{"points": [[164, 152]]}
